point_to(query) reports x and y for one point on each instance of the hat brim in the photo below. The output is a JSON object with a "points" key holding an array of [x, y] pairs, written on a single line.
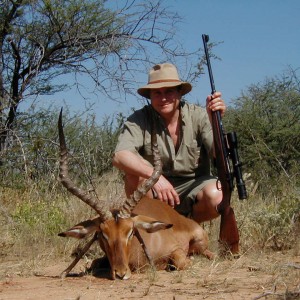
{"points": [[145, 90]]}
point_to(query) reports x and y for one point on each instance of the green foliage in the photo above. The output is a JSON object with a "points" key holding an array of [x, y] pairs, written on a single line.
{"points": [[34, 153], [39, 216], [266, 119], [55, 37]]}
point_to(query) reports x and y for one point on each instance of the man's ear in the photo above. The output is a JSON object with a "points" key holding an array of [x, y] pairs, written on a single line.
{"points": [[150, 225]]}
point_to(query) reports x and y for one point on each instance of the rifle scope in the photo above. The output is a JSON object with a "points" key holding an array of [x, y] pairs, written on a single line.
{"points": [[236, 164]]}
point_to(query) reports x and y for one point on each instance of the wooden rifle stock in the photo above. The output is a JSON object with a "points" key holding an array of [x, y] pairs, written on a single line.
{"points": [[229, 235]]}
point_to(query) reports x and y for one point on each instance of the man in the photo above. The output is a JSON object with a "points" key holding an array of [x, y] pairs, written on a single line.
{"points": [[185, 143]]}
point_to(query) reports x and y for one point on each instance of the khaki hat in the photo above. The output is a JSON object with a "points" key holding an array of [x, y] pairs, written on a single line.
{"points": [[164, 75]]}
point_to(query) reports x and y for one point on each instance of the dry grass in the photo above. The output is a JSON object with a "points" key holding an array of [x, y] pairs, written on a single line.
{"points": [[31, 220]]}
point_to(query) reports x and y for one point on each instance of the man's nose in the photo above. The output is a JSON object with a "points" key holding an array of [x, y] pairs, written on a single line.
{"points": [[163, 96]]}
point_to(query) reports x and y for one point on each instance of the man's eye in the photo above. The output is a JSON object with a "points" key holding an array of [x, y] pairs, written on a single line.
{"points": [[170, 91]]}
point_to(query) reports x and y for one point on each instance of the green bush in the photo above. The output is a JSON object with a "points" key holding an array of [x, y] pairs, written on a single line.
{"points": [[33, 155], [266, 119], [39, 216]]}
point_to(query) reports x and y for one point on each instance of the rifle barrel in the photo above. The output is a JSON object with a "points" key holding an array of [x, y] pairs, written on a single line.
{"points": [[205, 39]]}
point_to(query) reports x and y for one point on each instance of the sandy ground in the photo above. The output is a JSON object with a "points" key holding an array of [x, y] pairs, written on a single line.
{"points": [[274, 275]]}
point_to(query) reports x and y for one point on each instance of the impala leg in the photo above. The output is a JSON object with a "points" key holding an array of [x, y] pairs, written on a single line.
{"points": [[79, 256], [179, 260], [199, 244]]}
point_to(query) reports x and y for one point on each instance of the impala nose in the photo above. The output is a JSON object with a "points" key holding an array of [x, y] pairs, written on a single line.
{"points": [[123, 274]]}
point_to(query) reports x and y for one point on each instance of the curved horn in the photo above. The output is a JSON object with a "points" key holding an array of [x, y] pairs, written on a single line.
{"points": [[142, 190], [93, 202]]}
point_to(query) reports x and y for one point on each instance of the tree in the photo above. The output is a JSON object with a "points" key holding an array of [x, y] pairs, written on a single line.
{"points": [[33, 156], [266, 118], [41, 40]]}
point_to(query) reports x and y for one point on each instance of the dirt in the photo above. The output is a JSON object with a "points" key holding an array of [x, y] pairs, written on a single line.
{"points": [[274, 275]]}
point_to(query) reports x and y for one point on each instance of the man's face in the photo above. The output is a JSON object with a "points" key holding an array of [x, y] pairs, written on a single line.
{"points": [[165, 100]]}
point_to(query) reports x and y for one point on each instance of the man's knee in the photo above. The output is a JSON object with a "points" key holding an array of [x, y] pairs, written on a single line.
{"points": [[207, 200], [211, 195]]}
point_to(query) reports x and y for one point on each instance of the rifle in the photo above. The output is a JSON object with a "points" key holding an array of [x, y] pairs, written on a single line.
{"points": [[225, 150]]}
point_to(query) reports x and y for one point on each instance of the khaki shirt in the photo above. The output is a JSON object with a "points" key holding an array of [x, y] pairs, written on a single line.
{"points": [[193, 156]]}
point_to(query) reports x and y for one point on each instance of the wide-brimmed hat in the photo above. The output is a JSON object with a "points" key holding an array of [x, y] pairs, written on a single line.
{"points": [[164, 75]]}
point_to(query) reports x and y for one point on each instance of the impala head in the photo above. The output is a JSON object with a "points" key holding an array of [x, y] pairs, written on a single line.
{"points": [[115, 230]]}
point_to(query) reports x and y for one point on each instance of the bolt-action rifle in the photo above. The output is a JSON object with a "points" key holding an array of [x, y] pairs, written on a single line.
{"points": [[226, 151]]}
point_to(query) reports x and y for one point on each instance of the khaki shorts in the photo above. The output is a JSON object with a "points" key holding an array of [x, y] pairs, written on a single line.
{"points": [[187, 189]]}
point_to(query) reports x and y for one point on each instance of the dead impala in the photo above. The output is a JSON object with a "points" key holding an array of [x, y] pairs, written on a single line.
{"points": [[135, 234]]}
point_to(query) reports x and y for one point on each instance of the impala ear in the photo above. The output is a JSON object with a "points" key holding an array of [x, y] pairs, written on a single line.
{"points": [[83, 229], [150, 225], [75, 232]]}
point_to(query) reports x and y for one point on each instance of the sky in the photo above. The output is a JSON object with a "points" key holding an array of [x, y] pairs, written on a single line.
{"points": [[260, 39]]}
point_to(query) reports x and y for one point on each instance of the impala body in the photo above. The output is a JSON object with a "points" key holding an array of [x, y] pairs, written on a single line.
{"points": [[181, 238]]}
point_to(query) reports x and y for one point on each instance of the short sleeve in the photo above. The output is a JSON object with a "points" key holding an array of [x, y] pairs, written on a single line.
{"points": [[132, 135]]}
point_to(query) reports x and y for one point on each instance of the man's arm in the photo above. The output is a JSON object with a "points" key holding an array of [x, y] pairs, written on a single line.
{"points": [[132, 164], [135, 165]]}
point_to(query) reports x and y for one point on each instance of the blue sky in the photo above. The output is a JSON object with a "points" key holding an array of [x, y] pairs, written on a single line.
{"points": [[260, 38]]}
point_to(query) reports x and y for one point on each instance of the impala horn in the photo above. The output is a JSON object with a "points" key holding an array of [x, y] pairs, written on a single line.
{"points": [[86, 197]]}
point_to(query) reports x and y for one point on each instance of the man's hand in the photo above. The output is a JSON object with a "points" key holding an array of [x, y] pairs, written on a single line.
{"points": [[215, 102], [166, 192]]}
